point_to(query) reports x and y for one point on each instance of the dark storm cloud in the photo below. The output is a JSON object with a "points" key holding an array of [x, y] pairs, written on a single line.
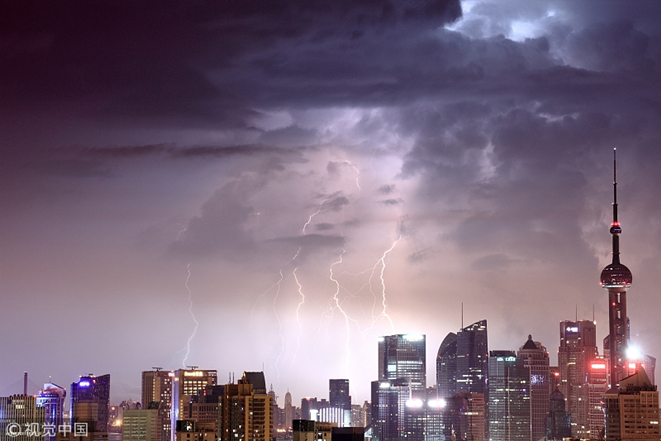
{"points": [[386, 189], [324, 226], [140, 59], [391, 201]]}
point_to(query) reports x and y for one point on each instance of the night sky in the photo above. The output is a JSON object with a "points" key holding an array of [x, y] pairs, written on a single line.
{"points": [[314, 174]]}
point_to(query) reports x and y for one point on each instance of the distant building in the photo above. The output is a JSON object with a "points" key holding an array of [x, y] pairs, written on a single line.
{"points": [[289, 411], [52, 398], [90, 401], [473, 358], [387, 412], [338, 393], [157, 394], [446, 366], [558, 423], [509, 397], [403, 356], [578, 347], [187, 384], [245, 410], [597, 383], [536, 358]]}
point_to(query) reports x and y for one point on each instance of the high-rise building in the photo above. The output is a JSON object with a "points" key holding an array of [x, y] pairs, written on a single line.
{"points": [[578, 347], [632, 411], [536, 358], [141, 425], [446, 366], [472, 358], [464, 417], [90, 400], [338, 393], [558, 423], [616, 278], [597, 384], [509, 397], [289, 411], [21, 419], [51, 398], [187, 384], [245, 410], [387, 413], [157, 394], [403, 356]]}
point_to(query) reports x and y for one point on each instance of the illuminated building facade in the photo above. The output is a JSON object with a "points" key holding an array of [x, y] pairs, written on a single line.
{"points": [[446, 366], [90, 401], [536, 358], [578, 347], [186, 384], [289, 411], [472, 358], [141, 425], [51, 398], [245, 410], [388, 403], [464, 417], [597, 384], [509, 397], [403, 356], [157, 394], [338, 394]]}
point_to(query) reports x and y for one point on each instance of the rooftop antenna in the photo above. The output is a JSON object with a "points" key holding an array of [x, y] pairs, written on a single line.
{"points": [[192, 368], [577, 312], [157, 368], [593, 313]]}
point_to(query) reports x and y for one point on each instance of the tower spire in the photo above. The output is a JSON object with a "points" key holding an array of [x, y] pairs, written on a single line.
{"points": [[615, 225]]}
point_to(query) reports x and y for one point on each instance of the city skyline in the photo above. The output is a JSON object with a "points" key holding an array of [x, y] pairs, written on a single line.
{"points": [[272, 189]]}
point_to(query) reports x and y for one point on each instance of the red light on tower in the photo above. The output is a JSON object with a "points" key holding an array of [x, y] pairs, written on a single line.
{"points": [[598, 366]]}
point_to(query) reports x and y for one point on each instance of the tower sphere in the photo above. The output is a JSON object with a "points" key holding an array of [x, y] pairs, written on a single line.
{"points": [[616, 275]]}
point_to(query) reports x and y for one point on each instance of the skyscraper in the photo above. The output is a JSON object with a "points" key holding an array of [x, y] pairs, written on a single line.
{"points": [[157, 394], [90, 398], [472, 358], [446, 366], [403, 356], [536, 358], [245, 410], [509, 397], [616, 278], [578, 347], [186, 384], [51, 398], [338, 394], [20, 418], [558, 423]]}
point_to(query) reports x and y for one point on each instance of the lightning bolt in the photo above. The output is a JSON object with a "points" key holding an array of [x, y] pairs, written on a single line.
{"points": [[312, 216], [183, 228], [357, 173], [337, 306], [298, 309], [190, 310], [384, 303]]}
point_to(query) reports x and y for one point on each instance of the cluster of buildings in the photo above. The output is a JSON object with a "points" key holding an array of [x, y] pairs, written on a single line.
{"points": [[479, 395]]}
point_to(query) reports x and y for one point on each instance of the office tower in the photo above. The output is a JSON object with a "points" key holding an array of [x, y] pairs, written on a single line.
{"points": [[578, 347], [472, 358], [632, 412], [464, 417], [90, 398], [51, 398], [616, 278], [536, 358], [597, 383], [404, 356], [157, 394], [388, 402], [186, 384], [21, 419], [509, 397], [245, 410], [141, 425], [558, 423], [289, 411], [446, 366], [338, 394]]}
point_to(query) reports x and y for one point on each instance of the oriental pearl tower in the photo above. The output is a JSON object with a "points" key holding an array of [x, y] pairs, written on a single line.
{"points": [[616, 278]]}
